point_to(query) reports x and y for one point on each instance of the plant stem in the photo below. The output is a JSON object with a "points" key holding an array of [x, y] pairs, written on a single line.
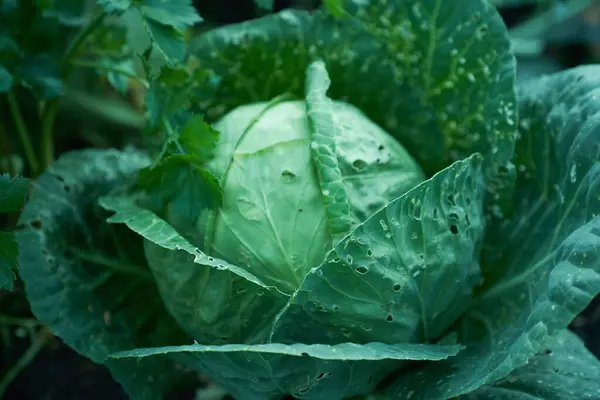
{"points": [[24, 136], [49, 113], [108, 68], [29, 322], [37, 343], [48, 118], [79, 40]]}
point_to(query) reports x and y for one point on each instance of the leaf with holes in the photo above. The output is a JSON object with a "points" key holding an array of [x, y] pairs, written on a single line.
{"points": [[269, 371], [88, 280], [437, 75], [542, 266], [213, 300], [404, 275], [565, 369]]}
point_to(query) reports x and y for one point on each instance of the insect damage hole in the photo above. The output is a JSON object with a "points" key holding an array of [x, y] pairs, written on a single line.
{"points": [[362, 270]]}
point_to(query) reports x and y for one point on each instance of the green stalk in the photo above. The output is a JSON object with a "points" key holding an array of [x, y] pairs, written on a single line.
{"points": [[49, 113], [38, 341], [24, 136]]}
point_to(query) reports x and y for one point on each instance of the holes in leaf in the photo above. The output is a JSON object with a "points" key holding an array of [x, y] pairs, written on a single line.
{"points": [[323, 375], [224, 338], [260, 293], [241, 290], [381, 147], [453, 215], [417, 210], [389, 318], [37, 225], [436, 213], [369, 252], [548, 352], [451, 199], [359, 164], [300, 210], [454, 229], [288, 176], [349, 259], [336, 307], [361, 270], [319, 307], [396, 287], [303, 390], [210, 259]]}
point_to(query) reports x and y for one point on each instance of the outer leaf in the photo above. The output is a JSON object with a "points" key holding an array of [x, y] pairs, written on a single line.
{"points": [[323, 149], [88, 280], [216, 302], [9, 252], [12, 193], [565, 370], [441, 83], [272, 370], [403, 275], [547, 269], [12, 196]]}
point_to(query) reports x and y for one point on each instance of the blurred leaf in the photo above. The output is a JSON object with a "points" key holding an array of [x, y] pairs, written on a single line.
{"points": [[12, 196], [155, 24], [6, 80], [116, 111], [119, 81], [41, 74], [12, 193], [335, 7], [67, 12], [9, 253], [265, 4]]}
